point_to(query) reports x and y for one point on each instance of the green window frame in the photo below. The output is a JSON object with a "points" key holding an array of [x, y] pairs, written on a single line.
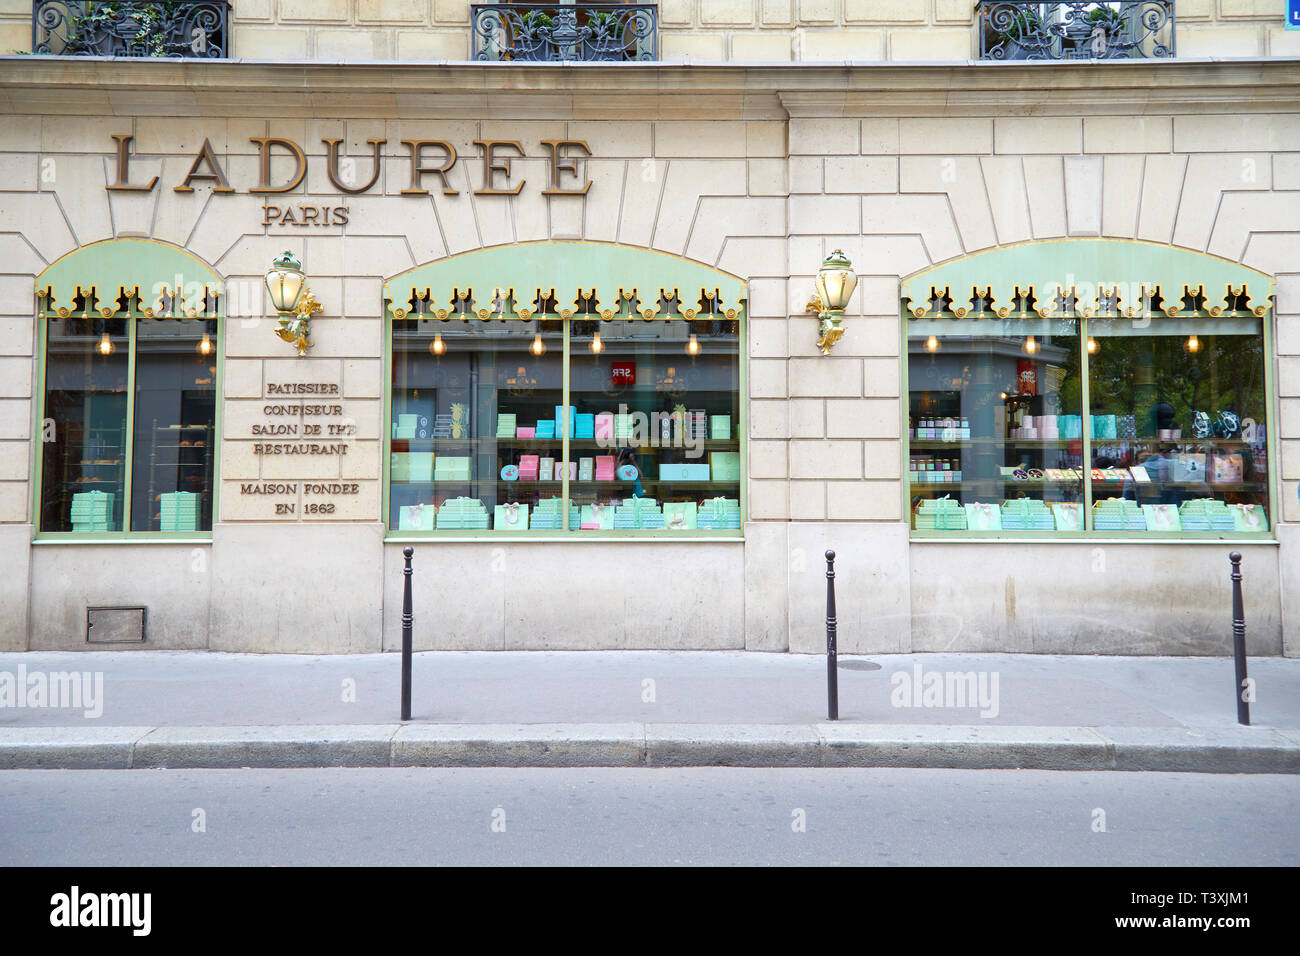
{"points": [[1146, 410], [462, 421], [123, 326]]}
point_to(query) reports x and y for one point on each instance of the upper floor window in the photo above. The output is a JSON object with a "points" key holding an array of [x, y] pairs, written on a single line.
{"points": [[1075, 29], [565, 31], [161, 28]]}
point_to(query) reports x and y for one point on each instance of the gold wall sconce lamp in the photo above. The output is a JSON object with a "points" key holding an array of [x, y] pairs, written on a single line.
{"points": [[287, 284], [836, 281]]}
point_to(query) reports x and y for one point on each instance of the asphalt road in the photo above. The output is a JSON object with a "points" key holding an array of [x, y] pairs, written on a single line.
{"points": [[646, 817]]}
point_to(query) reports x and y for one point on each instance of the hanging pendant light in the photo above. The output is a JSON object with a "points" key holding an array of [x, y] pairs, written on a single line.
{"points": [[106, 346], [1092, 345], [1193, 343], [932, 343], [693, 346], [1031, 345], [437, 347], [538, 347], [597, 345], [204, 347]]}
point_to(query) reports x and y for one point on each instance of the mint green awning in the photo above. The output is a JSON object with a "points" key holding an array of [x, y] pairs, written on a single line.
{"points": [[583, 278], [167, 280], [1100, 276]]}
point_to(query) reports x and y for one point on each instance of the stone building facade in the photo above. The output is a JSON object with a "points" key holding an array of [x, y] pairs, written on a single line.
{"points": [[758, 170]]}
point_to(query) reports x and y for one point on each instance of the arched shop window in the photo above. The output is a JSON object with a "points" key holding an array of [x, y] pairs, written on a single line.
{"points": [[1089, 387], [565, 389], [129, 340]]}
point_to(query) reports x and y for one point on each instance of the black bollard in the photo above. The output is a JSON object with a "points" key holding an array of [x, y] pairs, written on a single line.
{"points": [[832, 675], [407, 621], [1239, 639]]}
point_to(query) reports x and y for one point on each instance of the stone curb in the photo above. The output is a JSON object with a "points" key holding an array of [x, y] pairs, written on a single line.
{"points": [[1184, 749]]}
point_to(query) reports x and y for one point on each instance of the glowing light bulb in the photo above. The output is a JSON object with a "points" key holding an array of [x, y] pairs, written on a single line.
{"points": [[932, 343], [1092, 345], [436, 347], [597, 345], [1031, 346], [1193, 343], [693, 346], [204, 347], [106, 346], [538, 347]]}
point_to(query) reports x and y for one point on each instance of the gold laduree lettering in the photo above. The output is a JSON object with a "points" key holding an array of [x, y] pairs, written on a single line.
{"points": [[563, 157]]}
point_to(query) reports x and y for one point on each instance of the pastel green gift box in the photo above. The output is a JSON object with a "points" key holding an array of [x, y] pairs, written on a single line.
{"points": [[680, 515], [460, 514], [1068, 515], [400, 467], [1162, 517], [679, 472], [502, 514], [450, 468], [1249, 517], [720, 426], [724, 465], [982, 516], [719, 514], [416, 517], [601, 515], [940, 514], [405, 425], [419, 466]]}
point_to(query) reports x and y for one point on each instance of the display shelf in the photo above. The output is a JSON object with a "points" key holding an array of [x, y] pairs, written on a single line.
{"points": [[992, 442], [707, 444]]}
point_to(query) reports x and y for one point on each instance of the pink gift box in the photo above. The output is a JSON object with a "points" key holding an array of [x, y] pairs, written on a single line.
{"points": [[605, 468], [604, 425], [528, 467], [525, 432]]}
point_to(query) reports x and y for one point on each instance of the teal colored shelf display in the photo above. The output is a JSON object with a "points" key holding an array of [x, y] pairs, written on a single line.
{"points": [[1118, 514], [462, 514], [548, 516], [638, 514], [92, 511], [179, 511], [1027, 514], [718, 514], [940, 514]]}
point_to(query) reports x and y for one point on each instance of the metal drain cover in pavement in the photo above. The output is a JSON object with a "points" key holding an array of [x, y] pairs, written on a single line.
{"points": [[859, 665]]}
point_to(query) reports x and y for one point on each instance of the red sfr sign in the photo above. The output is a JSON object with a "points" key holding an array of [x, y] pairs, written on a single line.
{"points": [[622, 373]]}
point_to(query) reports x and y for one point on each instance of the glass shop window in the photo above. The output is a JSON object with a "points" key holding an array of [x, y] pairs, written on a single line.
{"points": [[565, 424], [130, 416], [1174, 440]]}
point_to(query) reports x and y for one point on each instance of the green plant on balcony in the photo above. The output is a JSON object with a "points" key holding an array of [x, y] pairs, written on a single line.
{"points": [[535, 21], [603, 25], [103, 18]]}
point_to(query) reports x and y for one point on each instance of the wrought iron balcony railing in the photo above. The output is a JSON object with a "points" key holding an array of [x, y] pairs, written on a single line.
{"points": [[169, 28], [582, 31], [1076, 29]]}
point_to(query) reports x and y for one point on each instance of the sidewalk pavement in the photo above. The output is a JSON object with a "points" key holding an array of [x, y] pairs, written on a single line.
{"points": [[645, 708]]}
